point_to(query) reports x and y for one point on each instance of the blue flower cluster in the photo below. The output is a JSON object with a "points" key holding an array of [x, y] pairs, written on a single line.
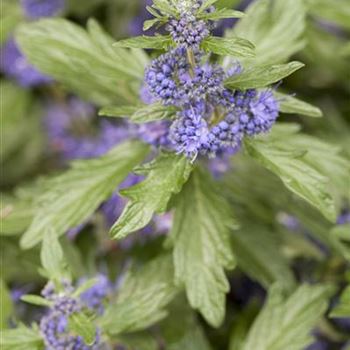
{"points": [[212, 119], [54, 325]]}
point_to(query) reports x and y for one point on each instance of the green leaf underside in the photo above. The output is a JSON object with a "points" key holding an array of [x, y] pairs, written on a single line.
{"points": [[228, 46], [289, 104], [166, 176], [287, 324], [142, 298], [80, 324], [83, 61], [140, 114], [291, 164], [146, 42], [72, 197], [201, 240], [262, 76]]}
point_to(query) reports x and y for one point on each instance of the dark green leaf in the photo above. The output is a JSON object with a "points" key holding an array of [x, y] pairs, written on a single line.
{"points": [[72, 197], [287, 324], [228, 46], [6, 305], [146, 42], [261, 76], [142, 298], [166, 176], [201, 240], [140, 114], [289, 104]]}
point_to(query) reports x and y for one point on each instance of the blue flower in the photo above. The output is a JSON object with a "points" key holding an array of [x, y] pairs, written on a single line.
{"points": [[42, 8]]}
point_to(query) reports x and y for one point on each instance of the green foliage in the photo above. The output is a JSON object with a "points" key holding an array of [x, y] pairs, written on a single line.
{"points": [[342, 310], [262, 76], [10, 15], [299, 164], [201, 241], [146, 42], [142, 298], [71, 198], [275, 28], [35, 300], [67, 52], [82, 325], [6, 305], [165, 177], [287, 323], [140, 114], [221, 14], [236, 47]]}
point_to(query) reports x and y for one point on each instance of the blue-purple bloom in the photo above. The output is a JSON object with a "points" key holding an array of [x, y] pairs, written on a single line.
{"points": [[35, 9], [16, 66]]}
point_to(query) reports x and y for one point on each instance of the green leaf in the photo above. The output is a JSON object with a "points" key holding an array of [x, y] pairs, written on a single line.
{"points": [[166, 176], [83, 326], [237, 47], [342, 310], [85, 286], [206, 4], [83, 61], [289, 163], [261, 76], [140, 114], [259, 254], [342, 232], [21, 338], [52, 258], [35, 300], [275, 28], [152, 22], [139, 340], [6, 305], [289, 104], [10, 16], [72, 197], [158, 42], [201, 240], [142, 298], [287, 324], [221, 14]]}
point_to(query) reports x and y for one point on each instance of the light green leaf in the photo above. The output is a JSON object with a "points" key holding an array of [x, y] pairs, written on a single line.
{"points": [[275, 28], [35, 300], [138, 340], [261, 76], [259, 254], [289, 163], [146, 42], [201, 240], [237, 47], [6, 305], [287, 324], [289, 104], [83, 326], [166, 176], [152, 22], [52, 258], [85, 286], [72, 197], [342, 232], [10, 16], [83, 61], [342, 310], [221, 14], [21, 338], [140, 114], [142, 298]]}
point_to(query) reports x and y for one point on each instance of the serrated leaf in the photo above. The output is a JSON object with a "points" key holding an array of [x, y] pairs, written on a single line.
{"points": [[275, 28], [83, 61], [21, 338], [165, 7], [287, 324], [146, 42], [290, 165], [35, 300], [166, 176], [52, 258], [82, 325], [142, 298], [6, 305], [237, 47], [342, 310], [140, 114], [262, 76], [201, 241], [221, 14], [73, 196], [289, 104]]}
